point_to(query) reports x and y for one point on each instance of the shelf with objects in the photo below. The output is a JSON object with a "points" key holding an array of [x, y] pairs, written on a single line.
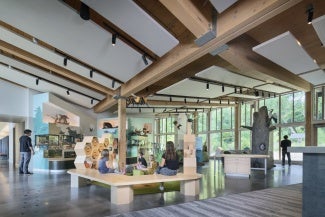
{"points": [[58, 150], [89, 150]]}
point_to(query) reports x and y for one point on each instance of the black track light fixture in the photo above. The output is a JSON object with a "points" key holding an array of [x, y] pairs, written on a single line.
{"points": [[84, 11], [68, 92], [256, 93], [113, 83], [219, 101], [114, 36], [209, 101], [37, 81], [235, 89], [184, 100], [310, 13], [240, 90], [65, 61], [144, 58], [91, 73], [223, 88], [92, 101], [208, 86], [170, 99]]}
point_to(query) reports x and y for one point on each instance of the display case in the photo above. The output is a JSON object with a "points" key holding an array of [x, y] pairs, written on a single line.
{"points": [[66, 141], [47, 140], [52, 153], [56, 146]]}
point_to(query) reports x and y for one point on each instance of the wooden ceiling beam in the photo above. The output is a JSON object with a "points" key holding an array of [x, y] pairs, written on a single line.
{"points": [[234, 22], [253, 65], [187, 13], [31, 58]]}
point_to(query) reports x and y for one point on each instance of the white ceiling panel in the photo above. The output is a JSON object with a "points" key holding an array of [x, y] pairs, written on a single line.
{"points": [[47, 76], [273, 88], [189, 87], [316, 77], [66, 31], [28, 80], [244, 96], [128, 16], [285, 51], [319, 26], [221, 5], [52, 57], [224, 76]]}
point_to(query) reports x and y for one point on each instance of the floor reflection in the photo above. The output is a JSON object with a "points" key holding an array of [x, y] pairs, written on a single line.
{"points": [[51, 195]]}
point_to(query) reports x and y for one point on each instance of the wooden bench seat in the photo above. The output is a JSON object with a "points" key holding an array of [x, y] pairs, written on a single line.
{"points": [[121, 185]]}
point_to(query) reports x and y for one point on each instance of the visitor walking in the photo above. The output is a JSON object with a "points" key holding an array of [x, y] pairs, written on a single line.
{"points": [[284, 145], [26, 151]]}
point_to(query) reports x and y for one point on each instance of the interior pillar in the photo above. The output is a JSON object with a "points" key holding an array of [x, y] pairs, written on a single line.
{"points": [[309, 140], [122, 132]]}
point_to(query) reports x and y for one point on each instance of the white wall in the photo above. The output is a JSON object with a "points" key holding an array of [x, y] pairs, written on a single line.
{"points": [[14, 100]]}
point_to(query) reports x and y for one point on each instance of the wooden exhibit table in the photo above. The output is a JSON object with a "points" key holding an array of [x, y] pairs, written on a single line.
{"points": [[313, 190], [121, 185], [240, 164]]}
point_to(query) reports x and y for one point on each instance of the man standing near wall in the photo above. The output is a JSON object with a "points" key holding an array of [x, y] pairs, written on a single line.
{"points": [[26, 151], [284, 145]]}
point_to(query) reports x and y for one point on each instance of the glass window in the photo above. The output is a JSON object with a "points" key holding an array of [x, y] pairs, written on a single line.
{"points": [[318, 104], [274, 144], [273, 103], [297, 136], [228, 140], [321, 136], [215, 141], [245, 115], [170, 126], [202, 122], [219, 119], [227, 117], [162, 126], [245, 139], [213, 120], [299, 106], [287, 108]]}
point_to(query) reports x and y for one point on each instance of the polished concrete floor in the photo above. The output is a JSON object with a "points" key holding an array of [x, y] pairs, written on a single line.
{"points": [[50, 194]]}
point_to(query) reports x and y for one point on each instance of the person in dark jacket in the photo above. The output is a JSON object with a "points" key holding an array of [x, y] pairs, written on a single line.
{"points": [[26, 151], [284, 145]]}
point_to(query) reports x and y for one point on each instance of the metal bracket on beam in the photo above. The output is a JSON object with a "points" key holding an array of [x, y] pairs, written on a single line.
{"points": [[208, 36], [220, 49]]}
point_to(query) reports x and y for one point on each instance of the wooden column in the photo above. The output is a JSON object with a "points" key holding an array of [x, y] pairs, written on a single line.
{"points": [[122, 132], [309, 140], [237, 125]]}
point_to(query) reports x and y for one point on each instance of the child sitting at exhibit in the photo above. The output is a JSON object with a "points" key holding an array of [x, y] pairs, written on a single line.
{"points": [[152, 166], [105, 163], [142, 163]]}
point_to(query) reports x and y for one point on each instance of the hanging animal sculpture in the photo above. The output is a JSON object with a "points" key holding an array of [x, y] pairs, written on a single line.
{"points": [[262, 125]]}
